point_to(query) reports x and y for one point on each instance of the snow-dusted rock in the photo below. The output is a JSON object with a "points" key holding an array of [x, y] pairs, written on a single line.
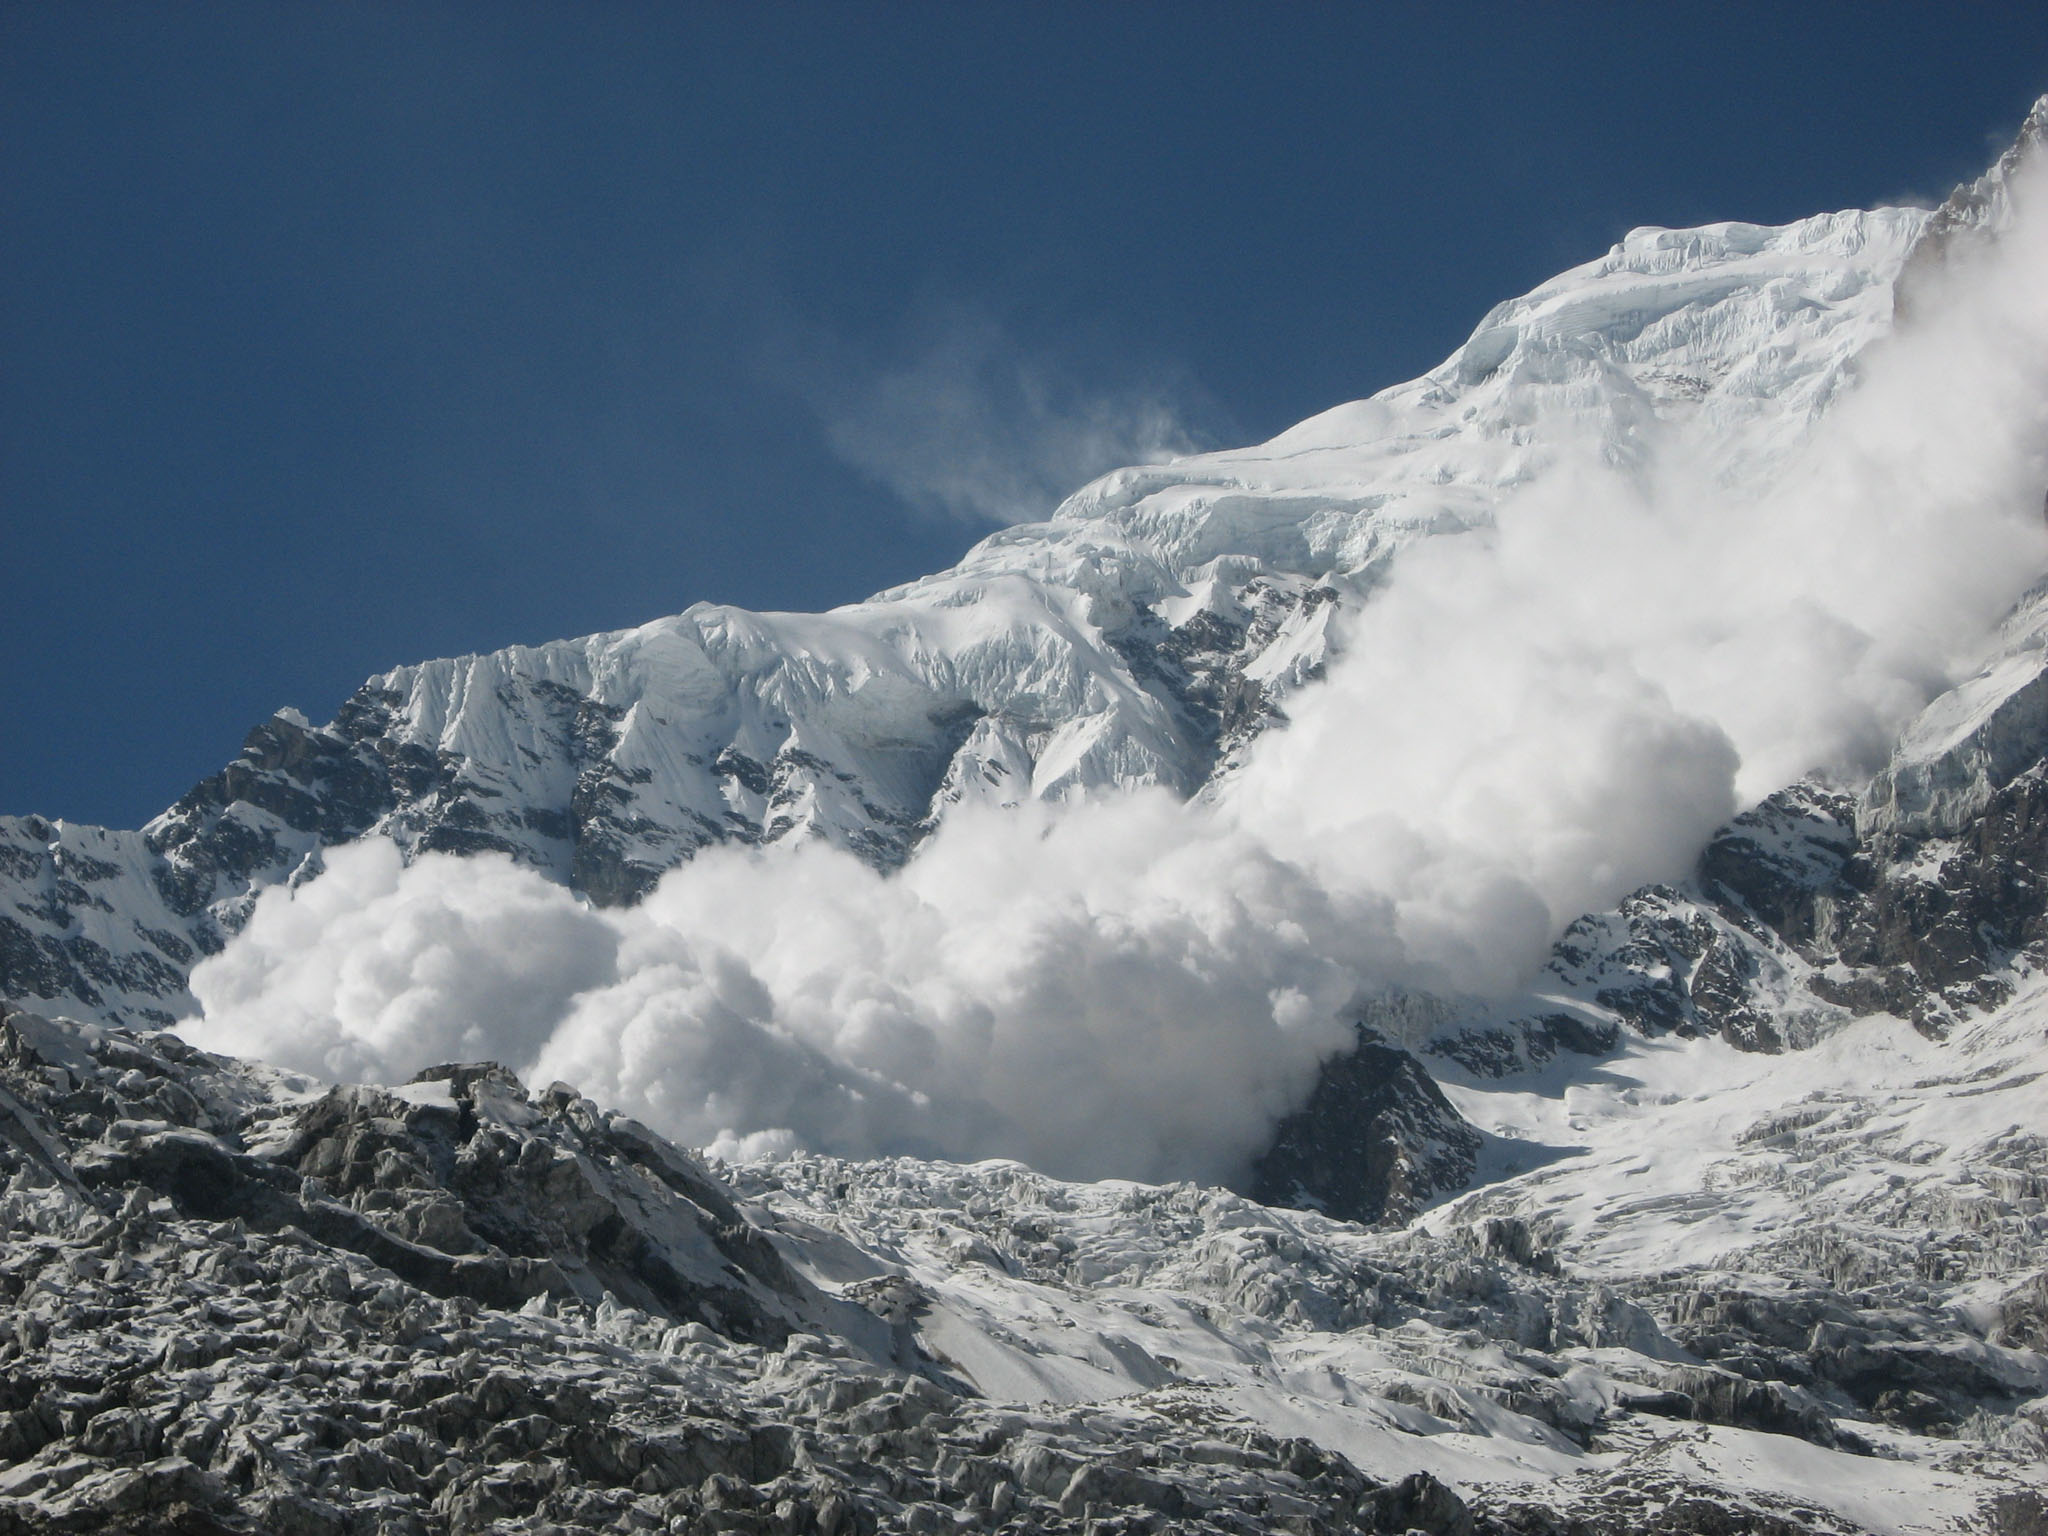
{"points": [[227, 1303], [1376, 1142]]}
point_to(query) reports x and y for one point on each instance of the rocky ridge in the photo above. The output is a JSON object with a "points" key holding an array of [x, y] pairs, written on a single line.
{"points": [[1919, 896]]}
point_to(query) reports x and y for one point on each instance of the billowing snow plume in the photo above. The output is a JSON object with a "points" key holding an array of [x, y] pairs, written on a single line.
{"points": [[1529, 720], [1117, 987], [1536, 718]]}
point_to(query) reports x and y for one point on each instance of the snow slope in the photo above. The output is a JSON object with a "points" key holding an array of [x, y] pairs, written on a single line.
{"points": [[1808, 1282]]}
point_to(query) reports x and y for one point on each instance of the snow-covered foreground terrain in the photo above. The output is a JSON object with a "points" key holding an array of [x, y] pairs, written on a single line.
{"points": [[1695, 1153], [1857, 1202], [235, 1295]]}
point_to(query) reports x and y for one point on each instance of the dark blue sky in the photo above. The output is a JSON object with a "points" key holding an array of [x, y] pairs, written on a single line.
{"points": [[333, 337]]}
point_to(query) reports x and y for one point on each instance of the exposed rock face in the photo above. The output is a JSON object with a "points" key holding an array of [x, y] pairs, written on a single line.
{"points": [[460, 1184], [1972, 211], [88, 923], [1376, 1142], [1923, 897], [1744, 950]]}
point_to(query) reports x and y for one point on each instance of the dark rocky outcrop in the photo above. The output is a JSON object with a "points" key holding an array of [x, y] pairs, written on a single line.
{"points": [[1376, 1141], [1796, 922], [464, 1186]]}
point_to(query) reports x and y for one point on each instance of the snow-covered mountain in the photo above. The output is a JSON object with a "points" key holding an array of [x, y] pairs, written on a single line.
{"points": [[1158, 621], [1731, 1220]]}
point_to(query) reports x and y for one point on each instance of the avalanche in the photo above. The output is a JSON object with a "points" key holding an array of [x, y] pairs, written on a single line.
{"points": [[1589, 787]]}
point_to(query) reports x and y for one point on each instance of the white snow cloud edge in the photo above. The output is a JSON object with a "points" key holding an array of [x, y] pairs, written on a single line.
{"points": [[1527, 722], [973, 426]]}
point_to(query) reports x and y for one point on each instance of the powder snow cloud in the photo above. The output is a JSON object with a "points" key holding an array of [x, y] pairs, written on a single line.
{"points": [[1528, 721]]}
